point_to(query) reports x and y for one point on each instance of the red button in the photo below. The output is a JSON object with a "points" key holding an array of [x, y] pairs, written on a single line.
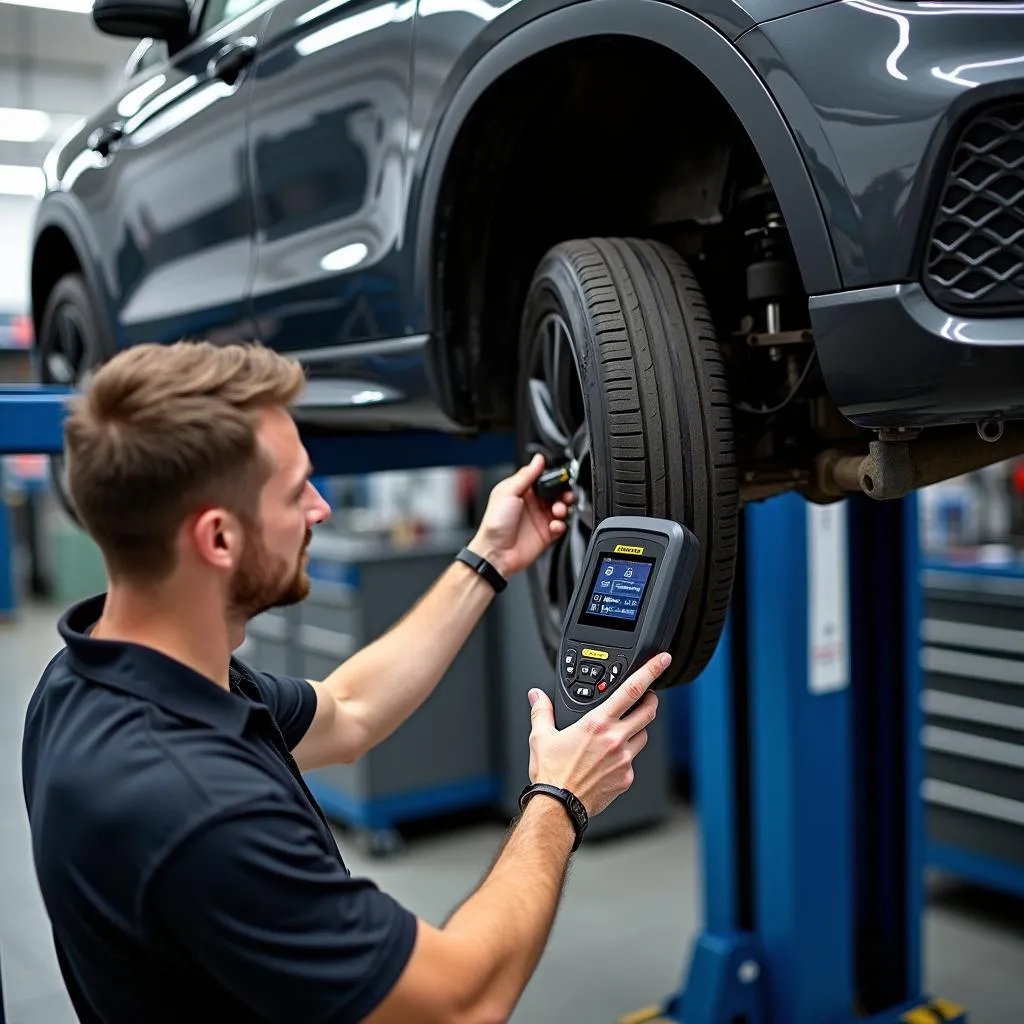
{"points": [[601, 687]]}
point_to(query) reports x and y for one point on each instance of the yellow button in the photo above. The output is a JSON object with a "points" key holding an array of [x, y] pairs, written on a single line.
{"points": [[589, 652]]}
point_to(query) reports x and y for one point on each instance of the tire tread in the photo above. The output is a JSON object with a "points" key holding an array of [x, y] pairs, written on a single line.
{"points": [[661, 379]]}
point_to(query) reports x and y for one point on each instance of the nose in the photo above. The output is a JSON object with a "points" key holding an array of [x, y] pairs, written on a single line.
{"points": [[319, 511]]}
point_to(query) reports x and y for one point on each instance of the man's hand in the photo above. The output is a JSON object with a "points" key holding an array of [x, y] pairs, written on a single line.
{"points": [[593, 757], [517, 527]]}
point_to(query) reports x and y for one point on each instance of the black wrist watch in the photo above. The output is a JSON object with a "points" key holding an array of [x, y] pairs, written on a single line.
{"points": [[577, 812], [482, 567]]}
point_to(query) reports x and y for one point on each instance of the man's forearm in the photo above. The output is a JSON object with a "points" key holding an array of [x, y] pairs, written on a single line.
{"points": [[509, 918], [381, 685]]}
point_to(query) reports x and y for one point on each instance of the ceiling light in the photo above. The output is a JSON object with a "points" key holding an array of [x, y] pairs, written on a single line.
{"points": [[71, 6], [18, 125], [18, 180]]}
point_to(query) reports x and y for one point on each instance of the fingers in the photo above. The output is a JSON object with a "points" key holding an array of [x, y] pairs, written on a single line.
{"points": [[637, 743], [560, 510], [542, 713], [522, 480], [640, 717], [636, 685]]}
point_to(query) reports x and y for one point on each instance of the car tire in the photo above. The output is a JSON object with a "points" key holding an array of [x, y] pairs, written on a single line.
{"points": [[621, 377], [71, 345]]}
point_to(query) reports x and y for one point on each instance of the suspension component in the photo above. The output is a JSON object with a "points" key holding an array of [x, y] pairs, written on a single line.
{"points": [[771, 274]]}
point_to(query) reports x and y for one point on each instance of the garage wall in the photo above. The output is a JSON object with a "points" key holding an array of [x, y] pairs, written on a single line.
{"points": [[16, 216]]}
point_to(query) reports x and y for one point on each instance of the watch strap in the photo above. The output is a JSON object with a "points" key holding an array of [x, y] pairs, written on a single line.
{"points": [[577, 812], [482, 567]]}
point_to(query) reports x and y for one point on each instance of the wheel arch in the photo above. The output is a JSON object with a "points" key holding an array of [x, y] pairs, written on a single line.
{"points": [[704, 48], [61, 245]]}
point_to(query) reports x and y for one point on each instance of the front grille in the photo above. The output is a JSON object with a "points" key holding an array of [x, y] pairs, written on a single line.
{"points": [[975, 259]]}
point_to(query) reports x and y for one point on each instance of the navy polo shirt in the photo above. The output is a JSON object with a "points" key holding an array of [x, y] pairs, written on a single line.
{"points": [[188, 873]]}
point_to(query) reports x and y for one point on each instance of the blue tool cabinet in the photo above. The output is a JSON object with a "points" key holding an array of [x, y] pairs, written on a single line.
{"points": [[972, 701]]}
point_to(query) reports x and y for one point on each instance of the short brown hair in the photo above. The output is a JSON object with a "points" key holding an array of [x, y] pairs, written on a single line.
{"points": [[162, 430]]}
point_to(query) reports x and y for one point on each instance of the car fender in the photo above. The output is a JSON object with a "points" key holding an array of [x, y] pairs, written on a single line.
{"points": [[691, 37], [64, 212]]}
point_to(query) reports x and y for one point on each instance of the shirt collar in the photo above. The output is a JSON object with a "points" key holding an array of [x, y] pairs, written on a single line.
{"points": [[147, 673]]}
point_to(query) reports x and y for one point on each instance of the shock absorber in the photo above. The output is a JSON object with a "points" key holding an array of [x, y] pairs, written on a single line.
{"points": [[771, 275]]}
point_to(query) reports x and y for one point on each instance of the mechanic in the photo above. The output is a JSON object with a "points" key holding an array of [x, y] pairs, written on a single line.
{"points": [[187, 871]]}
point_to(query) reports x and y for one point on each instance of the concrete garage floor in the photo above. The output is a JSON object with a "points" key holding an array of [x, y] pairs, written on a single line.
{"points": [[628, 918]]}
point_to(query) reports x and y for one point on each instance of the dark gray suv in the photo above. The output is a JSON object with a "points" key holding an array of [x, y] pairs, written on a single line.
{"points": [[700, 253]]}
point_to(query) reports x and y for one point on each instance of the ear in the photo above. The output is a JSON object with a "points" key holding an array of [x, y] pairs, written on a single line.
{"points": [[217, 538]]}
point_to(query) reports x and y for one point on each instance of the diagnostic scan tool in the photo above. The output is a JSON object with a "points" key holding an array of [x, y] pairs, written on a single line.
{"points": [[636, 574]]}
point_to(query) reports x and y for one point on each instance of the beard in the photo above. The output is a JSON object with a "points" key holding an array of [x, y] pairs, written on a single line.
{"points": [[264, 581]]}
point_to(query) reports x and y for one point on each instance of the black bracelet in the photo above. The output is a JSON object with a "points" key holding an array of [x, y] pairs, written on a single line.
{"points": [[577, 812], [482, 567]]}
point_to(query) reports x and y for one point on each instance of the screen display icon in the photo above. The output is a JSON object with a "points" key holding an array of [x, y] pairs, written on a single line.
{"points": [[618, 589]]}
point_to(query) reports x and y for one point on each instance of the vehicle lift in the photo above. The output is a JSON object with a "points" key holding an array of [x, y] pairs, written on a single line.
{"points": [[807, 762]]}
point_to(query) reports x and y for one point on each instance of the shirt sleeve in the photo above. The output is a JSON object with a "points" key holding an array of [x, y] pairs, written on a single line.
{"points": [[256, 902], [292, 702]]}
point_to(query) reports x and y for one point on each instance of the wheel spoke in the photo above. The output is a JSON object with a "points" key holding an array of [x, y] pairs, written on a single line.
{"points": [[67, 336], [564, 580], [543, 415], [580, 444], [58, 369], [563, 372], [577, 547], [549, 341], [584, 509], [558, 424]]}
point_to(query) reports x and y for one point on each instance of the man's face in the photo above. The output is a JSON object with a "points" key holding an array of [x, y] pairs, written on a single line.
{"points": [[264, 580], [272, 571]]}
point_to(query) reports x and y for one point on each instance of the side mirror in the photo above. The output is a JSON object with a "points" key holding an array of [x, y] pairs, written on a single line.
{"points": [[143, 19]]}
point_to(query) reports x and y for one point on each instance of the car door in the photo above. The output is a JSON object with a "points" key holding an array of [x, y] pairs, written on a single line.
{"points": [[329, 123], [178, 218]]}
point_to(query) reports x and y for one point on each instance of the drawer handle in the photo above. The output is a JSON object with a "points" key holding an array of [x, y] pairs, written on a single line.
{"points": [[972, 666], [971, 709], [962, 798], [981, 748], [967, 634]]}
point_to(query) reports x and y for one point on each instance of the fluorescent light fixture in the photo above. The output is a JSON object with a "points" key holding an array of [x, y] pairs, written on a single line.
{"points": [[18, 180], [345, 258], [70, 6], [17, 125]]}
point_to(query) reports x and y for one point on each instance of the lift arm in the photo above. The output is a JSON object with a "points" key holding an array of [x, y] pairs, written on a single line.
{"points": [[32, 417]]}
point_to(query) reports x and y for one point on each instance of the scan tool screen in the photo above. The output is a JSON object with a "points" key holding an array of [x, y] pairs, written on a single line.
{"points": [[617, 592]]}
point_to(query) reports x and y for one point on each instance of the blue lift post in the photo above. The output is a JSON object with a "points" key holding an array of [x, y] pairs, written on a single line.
{"points": [[806, 755], [808, 771]]}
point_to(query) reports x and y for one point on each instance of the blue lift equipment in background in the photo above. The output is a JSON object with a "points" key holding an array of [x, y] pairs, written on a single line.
{"points": [[808, 770], [807, 763]]}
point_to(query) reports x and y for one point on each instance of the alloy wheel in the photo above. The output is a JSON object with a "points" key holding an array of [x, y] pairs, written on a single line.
{"points": [[556, 426]]}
